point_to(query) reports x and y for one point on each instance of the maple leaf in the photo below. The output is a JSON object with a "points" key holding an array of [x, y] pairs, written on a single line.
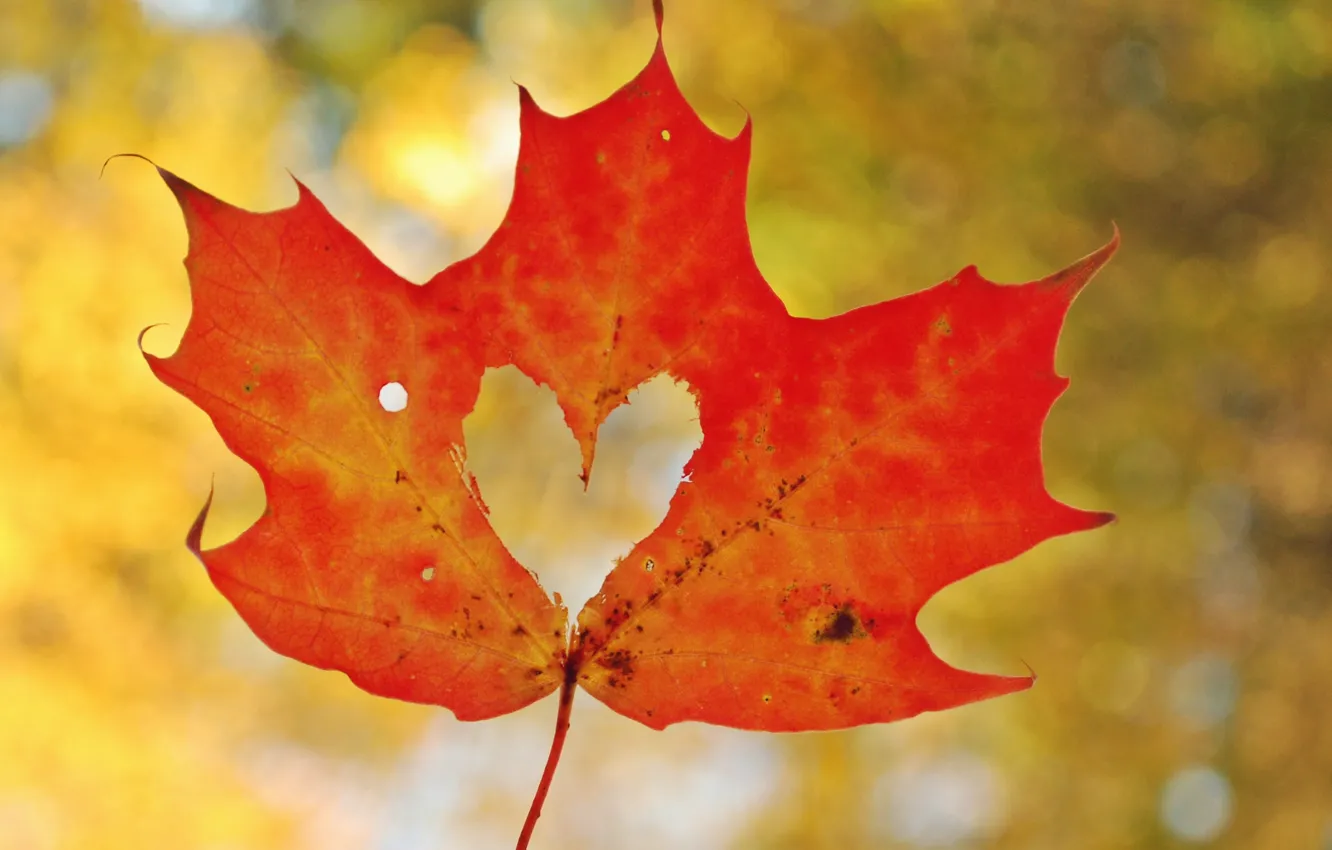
{"points": [[851, 467]]}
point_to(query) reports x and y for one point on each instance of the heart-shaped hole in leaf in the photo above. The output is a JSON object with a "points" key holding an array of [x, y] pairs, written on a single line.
{"points": [[526, 464]]}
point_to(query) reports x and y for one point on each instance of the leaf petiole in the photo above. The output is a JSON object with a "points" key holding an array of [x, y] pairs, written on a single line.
{"points": [[556, 746]]}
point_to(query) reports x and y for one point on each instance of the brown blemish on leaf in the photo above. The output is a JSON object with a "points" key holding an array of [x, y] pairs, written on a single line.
{"points": [[621, 662], [843, 626]]}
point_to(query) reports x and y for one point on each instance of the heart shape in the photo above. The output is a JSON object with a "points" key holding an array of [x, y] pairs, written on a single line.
{"points": [[526, 465]]}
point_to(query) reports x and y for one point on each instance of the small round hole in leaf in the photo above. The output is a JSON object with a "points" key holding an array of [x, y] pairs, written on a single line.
{"points": [[393, 397]]}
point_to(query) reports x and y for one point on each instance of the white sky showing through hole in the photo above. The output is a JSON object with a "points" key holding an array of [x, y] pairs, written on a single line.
{"points": [[527, 464], [393, 397]]}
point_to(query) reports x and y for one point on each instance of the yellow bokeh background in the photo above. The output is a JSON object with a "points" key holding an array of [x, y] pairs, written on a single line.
{"points": [[1184, 654]]}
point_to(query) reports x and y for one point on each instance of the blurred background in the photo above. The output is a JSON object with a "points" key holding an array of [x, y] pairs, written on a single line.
{"points": [[1184, 654]]}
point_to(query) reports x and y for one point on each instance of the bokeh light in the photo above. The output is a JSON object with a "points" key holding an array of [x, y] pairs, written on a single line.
{"points": [[1195, 804]]}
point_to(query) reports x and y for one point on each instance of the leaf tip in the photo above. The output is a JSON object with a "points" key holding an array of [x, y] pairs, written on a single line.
{"points": [[746, 135], [1097, 519], [179, 186], [528, 108], [659, 13], [1071, 280], [194, 538], [139, 340], [303, 192], [107, 161], [589, 450]]}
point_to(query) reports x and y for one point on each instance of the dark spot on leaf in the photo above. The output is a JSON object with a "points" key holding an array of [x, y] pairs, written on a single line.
{"points": [[621, 661], [842, 627], [519, 630]]}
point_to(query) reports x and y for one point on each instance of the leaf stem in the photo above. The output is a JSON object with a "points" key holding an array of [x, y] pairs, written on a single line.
{"points": [[556, 746]]}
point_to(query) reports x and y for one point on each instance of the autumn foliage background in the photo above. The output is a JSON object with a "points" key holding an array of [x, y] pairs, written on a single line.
{"points": [[1184, 654]]}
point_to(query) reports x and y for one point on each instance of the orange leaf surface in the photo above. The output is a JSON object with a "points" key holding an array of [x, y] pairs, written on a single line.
{"points": [[850, 467]]}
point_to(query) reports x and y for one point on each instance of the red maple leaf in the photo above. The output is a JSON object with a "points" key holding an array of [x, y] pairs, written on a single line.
{"points": [[850, 467]]}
